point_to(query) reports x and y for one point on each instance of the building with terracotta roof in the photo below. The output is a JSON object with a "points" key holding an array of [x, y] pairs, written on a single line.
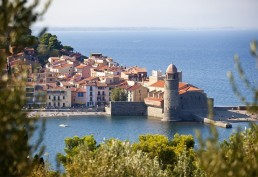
{"points": [[173, 100], [84, 70], [63, 68], [136, 93], [134, 74]]}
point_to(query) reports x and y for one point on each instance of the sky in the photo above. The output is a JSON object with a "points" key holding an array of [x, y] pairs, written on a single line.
{"points": [[241, 14]]}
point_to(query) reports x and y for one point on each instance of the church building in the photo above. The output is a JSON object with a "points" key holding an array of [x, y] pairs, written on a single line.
{"points": [[173, 100]]}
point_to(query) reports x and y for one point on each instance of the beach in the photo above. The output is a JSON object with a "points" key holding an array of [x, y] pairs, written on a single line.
{"points": [[49, 114]]}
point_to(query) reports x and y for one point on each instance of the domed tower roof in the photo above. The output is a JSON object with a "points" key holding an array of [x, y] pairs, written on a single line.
{"points": [[171, 69]]}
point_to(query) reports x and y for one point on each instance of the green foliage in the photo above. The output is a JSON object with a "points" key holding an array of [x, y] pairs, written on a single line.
{"points": [[117, 94], [48, 46], [182, 142], [153, 155], [50, 41], [238, 157], [16, 16], [166, 151], [44, 39], [251, 105], [68, 48], [115, 158], [54, 43], [157, 146], [72, 147], [186, 165], [43, 171]]}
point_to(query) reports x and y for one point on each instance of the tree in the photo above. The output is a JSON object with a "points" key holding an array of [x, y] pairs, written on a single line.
{"points": [[110, 158], [182, 142], [159, 146], [44, 39], [68, 48], [156, 146], [16, 16], [54, 43], [72, 147], [238, 156], [117, 94]]}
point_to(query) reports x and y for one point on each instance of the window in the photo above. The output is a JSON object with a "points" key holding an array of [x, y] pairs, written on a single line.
{"points": [[90, 93], [90, 88], [49, 104], [90, 99], [63, 97], [98, 92], [58, 97], [58, 104], [54, 97], [80, 94], [63, 104]]}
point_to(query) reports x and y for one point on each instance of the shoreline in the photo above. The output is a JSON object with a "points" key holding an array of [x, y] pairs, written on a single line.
{"points": [[231, 116], [52, 114], [234, 116]]}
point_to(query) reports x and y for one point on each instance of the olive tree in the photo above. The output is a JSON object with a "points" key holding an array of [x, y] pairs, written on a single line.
{"points": [[16, 17]]}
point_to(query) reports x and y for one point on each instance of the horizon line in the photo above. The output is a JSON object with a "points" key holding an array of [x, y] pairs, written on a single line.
{"points": [[56, 28]]}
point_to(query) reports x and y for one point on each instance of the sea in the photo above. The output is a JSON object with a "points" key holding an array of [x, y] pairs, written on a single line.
{"points": [[204, 57]]}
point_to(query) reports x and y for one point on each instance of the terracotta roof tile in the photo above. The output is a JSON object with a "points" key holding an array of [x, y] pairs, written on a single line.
{"points": [[134, 87], [81, 66], [81, 90], [159, 83]]}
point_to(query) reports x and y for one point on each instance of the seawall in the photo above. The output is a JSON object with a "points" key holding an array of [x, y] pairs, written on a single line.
{"points": [[123, 108]]}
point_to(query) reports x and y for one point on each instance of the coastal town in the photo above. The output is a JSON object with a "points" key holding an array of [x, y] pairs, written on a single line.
{"points": [[65, 82], [71, 83]]}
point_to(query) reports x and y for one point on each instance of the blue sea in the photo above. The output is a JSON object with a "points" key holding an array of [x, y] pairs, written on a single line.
{"points": [[204, 57]]}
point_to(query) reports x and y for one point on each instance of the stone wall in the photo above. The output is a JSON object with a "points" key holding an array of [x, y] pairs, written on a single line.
{"points": [[193, 101], [155, 112], [123, 108]]}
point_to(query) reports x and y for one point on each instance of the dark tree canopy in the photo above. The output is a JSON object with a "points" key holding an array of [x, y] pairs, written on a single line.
{"points": [[118, 94], [68, 48]]}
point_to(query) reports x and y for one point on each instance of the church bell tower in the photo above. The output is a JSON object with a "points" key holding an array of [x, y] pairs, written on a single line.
{"points": [[171, 95]]}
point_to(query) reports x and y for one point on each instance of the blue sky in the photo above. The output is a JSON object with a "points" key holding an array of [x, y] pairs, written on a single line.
{"points": [[153, 13]]}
